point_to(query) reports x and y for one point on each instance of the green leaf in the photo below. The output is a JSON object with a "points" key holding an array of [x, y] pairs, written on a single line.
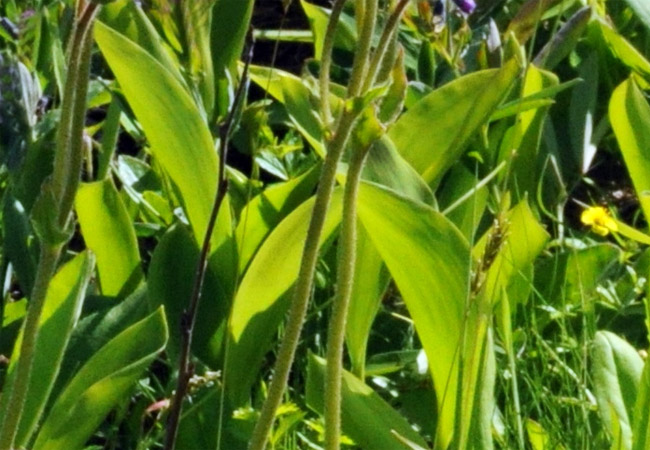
{"points": [[629, 115], [582, 111], [127, 18], [267, 209], [171, 279], [525, 240], [108, 232], [45, 221], [641, 423], [290, 90], [433, 284], [60, 314], [564, 40], [16, 240], [525, 136], [230, 23], [101, 320], [179, 136], [365, 416], [101, 383], [528, 18], [345, 36], [261, 301], [617, 369], [624, 51], [384, 165], [433, 134], [370, 282], [642, 9]]}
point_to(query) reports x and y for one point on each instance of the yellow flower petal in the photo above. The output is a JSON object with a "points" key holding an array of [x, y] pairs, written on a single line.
{"points": [[599, 220]]}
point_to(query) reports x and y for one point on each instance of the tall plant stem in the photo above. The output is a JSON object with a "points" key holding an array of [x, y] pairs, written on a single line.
{"points": [[302, 289], [347, 258], [326, 61], [62, 189], [384, 42], [360, 64], [188, 320]]}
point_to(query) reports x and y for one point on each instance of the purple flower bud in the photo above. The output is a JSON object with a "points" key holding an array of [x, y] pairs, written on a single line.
{"points": [[466, 6]]}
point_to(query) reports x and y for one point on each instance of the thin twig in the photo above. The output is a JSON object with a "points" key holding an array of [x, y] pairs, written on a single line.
{"points": [[188, 319]]}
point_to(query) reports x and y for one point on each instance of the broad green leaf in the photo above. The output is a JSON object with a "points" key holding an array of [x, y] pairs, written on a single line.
{"points": [[101, 383], [433, 134], [538, 437], [525, 135], [197, 21], [617, 369], [179, 136], [365, 416], [127, 18], [267, 209], [384, 165], [370, 281], [229, 27], [171, 278], [60, 314], [108, 232], [564, 40], [624, 51], [536, 100], [101, 320], [16, 238], [528, 18], [345, 36], [629, 115], [641, 423], [261, 301], [230, 23], [433, 283], [582, 111], [467, 215]]}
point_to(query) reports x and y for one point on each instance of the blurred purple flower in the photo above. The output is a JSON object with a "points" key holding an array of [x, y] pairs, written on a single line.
{"points": [[466, 6]]}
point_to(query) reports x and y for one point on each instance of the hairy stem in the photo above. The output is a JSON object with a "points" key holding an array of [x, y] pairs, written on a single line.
{"points": [[326, 62], [360, 64], [18, 390], [302, 289], [65, 180], [384, 42], [347, 258]]}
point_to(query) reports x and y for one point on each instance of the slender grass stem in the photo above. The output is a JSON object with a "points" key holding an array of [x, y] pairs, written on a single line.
{"points": [[64, 183], [344, 282]]}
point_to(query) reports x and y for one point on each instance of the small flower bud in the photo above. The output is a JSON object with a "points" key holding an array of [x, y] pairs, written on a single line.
{"points": [[466, 6]]}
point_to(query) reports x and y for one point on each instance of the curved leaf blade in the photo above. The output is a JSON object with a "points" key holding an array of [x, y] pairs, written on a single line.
{"points": [[179, 136], [434, 283], [108, 232], [435, 131], [61, 312], [260, 303], [101, 383]]}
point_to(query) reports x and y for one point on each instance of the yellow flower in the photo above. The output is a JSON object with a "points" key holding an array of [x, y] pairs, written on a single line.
{"points": [[599, 220]]}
